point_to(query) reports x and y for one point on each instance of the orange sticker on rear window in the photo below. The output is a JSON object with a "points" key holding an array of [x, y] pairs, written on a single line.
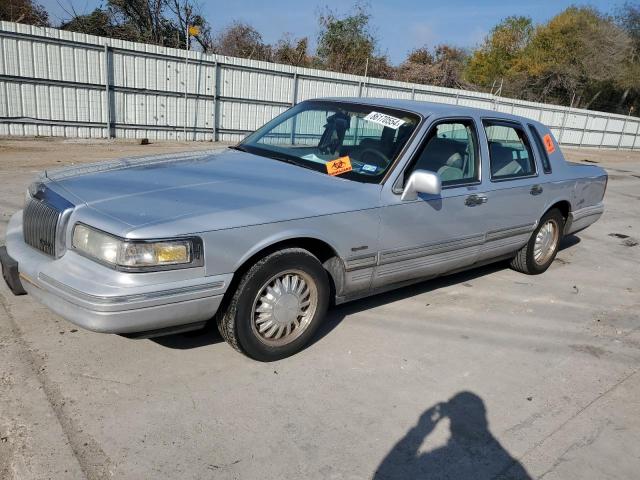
{"points": [[339, 165], [548, 143]]}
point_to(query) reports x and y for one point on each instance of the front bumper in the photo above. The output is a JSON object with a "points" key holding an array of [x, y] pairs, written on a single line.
{"points": [[10, 272], [103, 300]]}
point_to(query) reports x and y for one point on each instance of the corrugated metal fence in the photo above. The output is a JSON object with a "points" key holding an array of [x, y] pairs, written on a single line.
{"points": [[58, 83]]}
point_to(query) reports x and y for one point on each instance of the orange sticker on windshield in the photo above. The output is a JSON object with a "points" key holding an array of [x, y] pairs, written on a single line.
{"points": [[548, 143], [339, 165]]}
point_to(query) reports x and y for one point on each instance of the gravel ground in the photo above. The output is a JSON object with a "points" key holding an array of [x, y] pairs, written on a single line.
{"points": [[483, 374]]}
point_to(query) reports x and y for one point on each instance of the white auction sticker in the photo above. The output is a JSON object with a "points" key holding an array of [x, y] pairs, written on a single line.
{"points": [[384, 119]]}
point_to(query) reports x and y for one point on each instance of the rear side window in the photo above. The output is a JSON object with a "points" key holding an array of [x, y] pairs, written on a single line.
{"points": [[546, 164], [510, 154]]}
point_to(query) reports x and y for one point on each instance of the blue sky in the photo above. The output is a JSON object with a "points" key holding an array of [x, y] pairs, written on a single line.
{"points": [[400, 25]]}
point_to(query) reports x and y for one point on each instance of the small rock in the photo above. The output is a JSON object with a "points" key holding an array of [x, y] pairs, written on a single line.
{"points": [[73, 330], [4, 439], [576, 289], [275, 372], [529, 399]]}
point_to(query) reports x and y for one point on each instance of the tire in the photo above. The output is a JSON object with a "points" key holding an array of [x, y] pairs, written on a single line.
{"points": [[530, 261], [281, 308]]}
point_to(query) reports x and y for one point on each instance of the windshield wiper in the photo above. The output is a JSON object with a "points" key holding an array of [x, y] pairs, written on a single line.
{"points": [[238, 147], [263, 152]]}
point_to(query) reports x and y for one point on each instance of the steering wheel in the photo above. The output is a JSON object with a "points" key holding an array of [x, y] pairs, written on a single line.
{"points": [[375, 157]]}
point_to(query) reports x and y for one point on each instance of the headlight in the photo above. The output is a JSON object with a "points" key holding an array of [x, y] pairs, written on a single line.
{"points": [[137, 255]]}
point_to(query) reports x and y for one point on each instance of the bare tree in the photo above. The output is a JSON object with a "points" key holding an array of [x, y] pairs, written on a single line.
{"points": [[24, 11]]}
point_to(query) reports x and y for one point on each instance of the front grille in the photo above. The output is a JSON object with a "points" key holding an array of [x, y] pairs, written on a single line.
{"points": [[40, 224]]}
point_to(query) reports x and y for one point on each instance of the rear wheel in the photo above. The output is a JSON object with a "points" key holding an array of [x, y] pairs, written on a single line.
{"points": [[541, 249], [278, 305]]}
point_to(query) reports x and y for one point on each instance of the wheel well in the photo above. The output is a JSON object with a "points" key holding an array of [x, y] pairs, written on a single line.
{"points": [[564, 207], [321, 250]]}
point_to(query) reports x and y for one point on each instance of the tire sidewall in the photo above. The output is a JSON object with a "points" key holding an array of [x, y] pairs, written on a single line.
{"points": [[272, 265], [531, 263]]}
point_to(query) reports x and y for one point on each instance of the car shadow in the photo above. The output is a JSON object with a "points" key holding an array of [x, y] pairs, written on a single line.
{"points": [[210, 335], [471, 451], [568, 242]]}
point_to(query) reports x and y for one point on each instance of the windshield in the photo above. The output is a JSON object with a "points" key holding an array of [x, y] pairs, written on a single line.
{"points": [[357, 142]]}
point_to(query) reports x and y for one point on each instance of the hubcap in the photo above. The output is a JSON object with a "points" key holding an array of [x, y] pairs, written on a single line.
{"points": [[546, 242], [284, 307]]}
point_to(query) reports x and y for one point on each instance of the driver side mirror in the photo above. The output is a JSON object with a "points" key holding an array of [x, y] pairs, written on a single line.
{"points": [[421, 181]]}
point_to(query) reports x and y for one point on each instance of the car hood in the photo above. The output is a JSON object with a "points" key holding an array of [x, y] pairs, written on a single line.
{"points": [[231, 189]]}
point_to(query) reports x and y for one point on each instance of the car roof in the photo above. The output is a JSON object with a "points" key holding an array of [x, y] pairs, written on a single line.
{"points": [[427, 109]]}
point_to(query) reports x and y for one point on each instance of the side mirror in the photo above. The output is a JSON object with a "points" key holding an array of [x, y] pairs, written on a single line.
{"points": [[421, 181]]}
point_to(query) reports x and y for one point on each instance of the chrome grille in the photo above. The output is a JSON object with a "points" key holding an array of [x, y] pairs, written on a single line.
{"points": [[39, 225]]}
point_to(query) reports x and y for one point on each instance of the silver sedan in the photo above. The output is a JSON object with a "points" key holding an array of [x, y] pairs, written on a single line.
{"points": [[333, 200]]}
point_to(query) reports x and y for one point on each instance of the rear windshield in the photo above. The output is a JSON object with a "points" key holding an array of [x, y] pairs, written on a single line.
{"points": [[352, 141]]}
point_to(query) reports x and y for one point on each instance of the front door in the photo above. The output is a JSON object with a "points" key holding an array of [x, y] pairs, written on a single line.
{"points": [[435, 234]]}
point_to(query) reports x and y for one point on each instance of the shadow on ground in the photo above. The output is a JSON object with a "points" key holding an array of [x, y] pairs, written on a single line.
{"points": [[209, 335], [472, 452]]}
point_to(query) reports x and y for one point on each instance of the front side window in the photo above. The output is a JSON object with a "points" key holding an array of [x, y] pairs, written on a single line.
{"points": [[357, 142], [450, 150], [509, 151]]}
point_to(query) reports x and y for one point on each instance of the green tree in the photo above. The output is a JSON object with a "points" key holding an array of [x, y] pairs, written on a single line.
{"points": [[576, 57], [346, 43], [292, 51], [491, 62], [159, 22]]}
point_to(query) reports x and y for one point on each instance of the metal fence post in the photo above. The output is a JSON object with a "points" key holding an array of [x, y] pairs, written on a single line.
{"points": [[635, 137], [359, 89], [216, 68], [294, 89], [624, 125], [294, 96], [413, 93], [564, 123], [107, 93], [584, 130], [604, 132], [186, 83]]}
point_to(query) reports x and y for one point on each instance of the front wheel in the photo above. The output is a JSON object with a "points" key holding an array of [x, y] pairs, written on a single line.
{"points": [[278, 305], [541, 249]]}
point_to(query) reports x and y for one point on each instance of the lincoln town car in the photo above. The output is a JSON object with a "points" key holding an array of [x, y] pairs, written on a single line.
{"points": [[331, 201]]}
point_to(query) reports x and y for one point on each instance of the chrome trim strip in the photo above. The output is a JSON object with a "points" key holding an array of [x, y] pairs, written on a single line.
{"points": [[413, 264], [363, 261], [392, 256], [124, 299], [510, 232], [589, 211]]}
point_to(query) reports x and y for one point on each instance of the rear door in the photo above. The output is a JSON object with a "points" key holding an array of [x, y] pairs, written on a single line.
{"points": [[513, 188]]}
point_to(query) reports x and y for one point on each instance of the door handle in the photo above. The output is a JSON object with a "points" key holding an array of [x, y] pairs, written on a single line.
{"points": [[536, 190], [475, 199]]}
